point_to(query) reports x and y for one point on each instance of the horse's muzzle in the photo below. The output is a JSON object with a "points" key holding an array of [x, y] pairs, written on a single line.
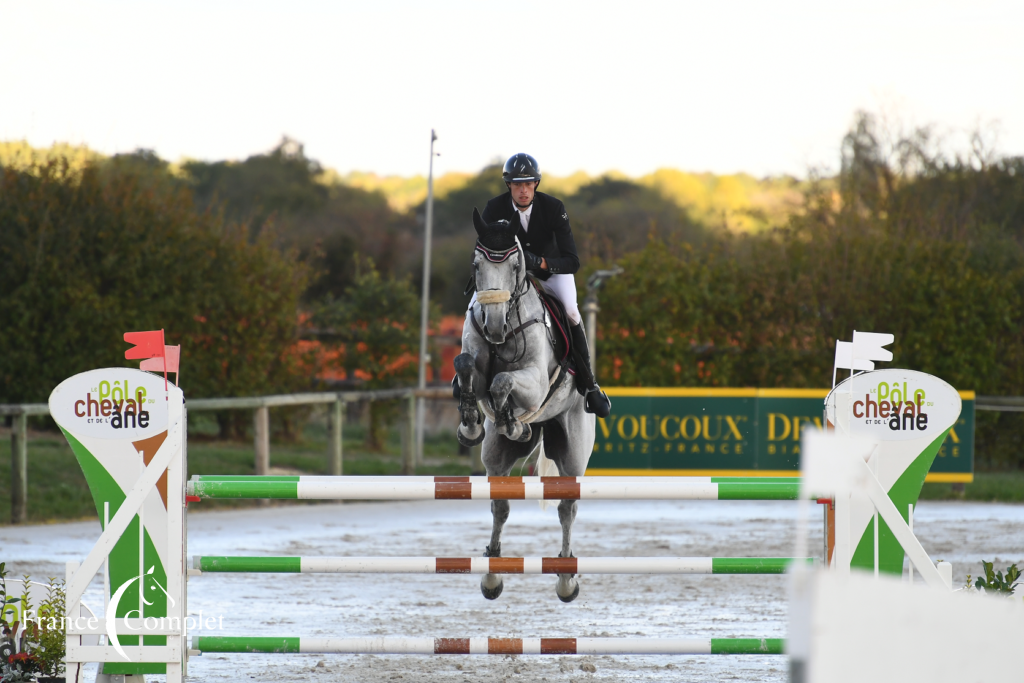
{"points": [[495, 322]]}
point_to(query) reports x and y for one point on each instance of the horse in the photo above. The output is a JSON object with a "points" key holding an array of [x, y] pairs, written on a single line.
{"points": [[515, 394]]}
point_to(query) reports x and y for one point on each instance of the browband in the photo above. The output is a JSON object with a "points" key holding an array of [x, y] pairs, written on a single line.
{"points": [[496, 256]]}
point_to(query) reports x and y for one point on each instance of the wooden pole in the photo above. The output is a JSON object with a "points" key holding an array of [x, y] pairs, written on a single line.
{"points": [[261, 427], [337, 413], [19, 469], [409, 438]]}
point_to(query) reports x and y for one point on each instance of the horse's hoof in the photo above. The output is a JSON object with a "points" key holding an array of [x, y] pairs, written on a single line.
{"points": [[493, 593], [526, 435], [467, 441], [568, 598]]}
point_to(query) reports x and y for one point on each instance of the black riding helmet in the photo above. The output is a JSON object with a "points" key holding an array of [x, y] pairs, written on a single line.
{"points": [[521, 167]]}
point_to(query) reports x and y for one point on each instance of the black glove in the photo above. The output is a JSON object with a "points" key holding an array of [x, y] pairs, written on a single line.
{"points": [[532, 260]]}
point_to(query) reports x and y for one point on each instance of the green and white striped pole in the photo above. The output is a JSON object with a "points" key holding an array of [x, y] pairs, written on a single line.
{"points": [[494, 646], [495, 565], [493, 488]]}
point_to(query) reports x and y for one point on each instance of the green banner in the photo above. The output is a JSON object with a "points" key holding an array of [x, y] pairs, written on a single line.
{"points": [[737, 432]]}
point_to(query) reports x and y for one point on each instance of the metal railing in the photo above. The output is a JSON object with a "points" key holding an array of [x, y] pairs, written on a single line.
{"points": [[260, 405]]}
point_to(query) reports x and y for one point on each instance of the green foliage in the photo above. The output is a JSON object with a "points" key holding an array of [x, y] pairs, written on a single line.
{"points": [[283, 181], [371, 327], [994, 582], [371, 323], [91, 255], [324, 220], [5, 599], [45, 637], [891, 250], [42, 642]]}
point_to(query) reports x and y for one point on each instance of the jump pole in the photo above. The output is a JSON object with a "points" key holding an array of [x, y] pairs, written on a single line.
{"points": [[494, 646], [490, 488], [494, 565]]}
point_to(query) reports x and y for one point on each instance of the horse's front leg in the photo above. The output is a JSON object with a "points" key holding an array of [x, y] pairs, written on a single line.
{"points": [[471, 427], [526, 388]]}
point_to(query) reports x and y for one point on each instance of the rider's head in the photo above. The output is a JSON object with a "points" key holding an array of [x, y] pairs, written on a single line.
{"points": [[522, 176]]}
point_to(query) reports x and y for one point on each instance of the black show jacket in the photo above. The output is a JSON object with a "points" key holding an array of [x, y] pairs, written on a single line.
{"points": [[549, 235]]}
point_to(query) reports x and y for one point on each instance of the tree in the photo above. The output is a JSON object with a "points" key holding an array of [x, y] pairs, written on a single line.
{"points": [[90, 255], [324, 221], [374, 328]]}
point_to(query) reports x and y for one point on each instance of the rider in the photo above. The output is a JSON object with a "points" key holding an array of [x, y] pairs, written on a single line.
{"points": [[551, 258]]}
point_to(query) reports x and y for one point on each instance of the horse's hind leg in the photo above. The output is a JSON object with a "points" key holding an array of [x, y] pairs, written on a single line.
{"points": [[567, 587], [571, 459]]}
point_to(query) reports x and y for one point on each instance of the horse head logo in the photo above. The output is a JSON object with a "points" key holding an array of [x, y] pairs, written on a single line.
{"points": [[148, 583]]}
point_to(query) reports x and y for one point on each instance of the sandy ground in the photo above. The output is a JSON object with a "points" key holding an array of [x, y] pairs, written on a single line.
{"points": [[451, 605]]}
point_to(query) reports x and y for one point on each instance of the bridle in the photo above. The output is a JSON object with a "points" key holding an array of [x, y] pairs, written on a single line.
{"points": [[513, 297]]}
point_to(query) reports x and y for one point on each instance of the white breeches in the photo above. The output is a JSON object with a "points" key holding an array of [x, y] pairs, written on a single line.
{"points": [[563, 288]]}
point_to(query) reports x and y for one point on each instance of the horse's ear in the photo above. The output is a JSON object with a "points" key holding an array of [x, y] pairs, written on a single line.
{"points": [[478, 222]]}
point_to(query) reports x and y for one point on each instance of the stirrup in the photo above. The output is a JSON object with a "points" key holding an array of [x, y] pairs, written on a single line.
{"points": [[597, 402]]}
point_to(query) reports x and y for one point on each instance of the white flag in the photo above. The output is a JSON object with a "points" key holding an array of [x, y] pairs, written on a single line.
{"points": [[844, 358], [868, 346]]}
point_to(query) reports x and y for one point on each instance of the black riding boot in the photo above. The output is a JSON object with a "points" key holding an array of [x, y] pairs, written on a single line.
{"points": [[597, 401]]}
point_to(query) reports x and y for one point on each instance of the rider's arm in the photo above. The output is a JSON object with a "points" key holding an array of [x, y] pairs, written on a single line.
{"points": [[568, 261]]}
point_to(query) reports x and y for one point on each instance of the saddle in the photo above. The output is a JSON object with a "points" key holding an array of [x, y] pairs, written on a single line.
{"points": [[558, 328]]}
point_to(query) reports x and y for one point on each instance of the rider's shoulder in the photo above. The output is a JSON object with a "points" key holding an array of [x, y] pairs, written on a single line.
{"points": [[552, 205]]}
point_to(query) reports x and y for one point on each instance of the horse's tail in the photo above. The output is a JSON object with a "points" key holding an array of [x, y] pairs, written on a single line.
{"points": [[545, 468]]}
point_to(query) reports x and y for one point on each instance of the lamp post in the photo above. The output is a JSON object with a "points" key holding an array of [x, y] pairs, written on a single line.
{"points": [[591, 308], [425, 307]]}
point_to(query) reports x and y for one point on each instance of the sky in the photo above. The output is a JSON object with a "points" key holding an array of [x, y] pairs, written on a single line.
{"points": [[766, 88]]}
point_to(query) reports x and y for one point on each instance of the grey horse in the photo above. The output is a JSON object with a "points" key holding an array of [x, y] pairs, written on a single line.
{"points": [[514, 395]]}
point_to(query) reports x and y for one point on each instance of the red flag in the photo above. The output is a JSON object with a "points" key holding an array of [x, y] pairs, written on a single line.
{"points": [[172, 354], [147, 345]]}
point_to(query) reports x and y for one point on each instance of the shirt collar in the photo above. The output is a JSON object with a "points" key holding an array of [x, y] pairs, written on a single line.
{"points": [[524, 216]]}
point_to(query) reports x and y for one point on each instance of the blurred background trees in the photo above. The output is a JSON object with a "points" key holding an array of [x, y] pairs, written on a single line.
{"points": [[729, 280]]}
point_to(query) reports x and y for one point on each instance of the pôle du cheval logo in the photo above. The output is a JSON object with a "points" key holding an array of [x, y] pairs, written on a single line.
{"points": [[901, 407], [111, 403], [117, 404]]}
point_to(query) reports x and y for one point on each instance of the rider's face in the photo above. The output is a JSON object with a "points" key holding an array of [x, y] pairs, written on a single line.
{"points": [[523, 192]]}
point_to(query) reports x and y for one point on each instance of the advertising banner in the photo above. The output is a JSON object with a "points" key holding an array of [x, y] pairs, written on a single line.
{"points": [[735, 432]]}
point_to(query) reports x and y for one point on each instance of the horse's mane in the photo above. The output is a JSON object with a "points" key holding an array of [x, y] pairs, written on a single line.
{"points": [[497, 236]]}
